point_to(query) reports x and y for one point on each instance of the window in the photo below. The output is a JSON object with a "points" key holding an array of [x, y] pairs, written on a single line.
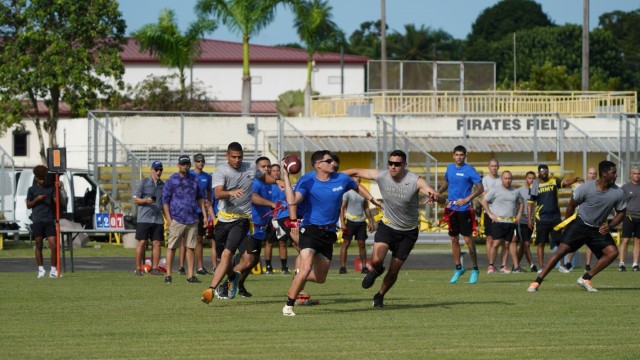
{"points": [[256, 79], [20, 143], [335, 79]]}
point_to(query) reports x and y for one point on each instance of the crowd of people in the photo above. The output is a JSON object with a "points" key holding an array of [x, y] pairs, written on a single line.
{"points": [[255, 205]]}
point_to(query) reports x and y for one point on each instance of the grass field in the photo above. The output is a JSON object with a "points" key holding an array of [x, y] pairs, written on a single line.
{"points": [[106, 315]]}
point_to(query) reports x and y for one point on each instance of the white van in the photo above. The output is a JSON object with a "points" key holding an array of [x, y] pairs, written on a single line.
{"points": [[83, 193]]}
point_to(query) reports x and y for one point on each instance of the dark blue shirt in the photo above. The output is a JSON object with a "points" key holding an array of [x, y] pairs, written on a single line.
{"points": [[182, 195]]}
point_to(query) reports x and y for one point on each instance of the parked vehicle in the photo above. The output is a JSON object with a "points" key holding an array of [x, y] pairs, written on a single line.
{"points": [[83, 194]]}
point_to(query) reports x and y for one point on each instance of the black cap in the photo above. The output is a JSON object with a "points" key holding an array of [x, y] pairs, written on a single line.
{"points": [[543, 167], [198, 157], [184, 159]]}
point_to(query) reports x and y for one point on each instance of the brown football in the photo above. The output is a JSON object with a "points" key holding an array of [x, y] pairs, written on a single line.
{"points": [[293, 164]]}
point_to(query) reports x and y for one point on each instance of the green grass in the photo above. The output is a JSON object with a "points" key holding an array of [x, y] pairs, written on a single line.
{"points": [[98, 315]]}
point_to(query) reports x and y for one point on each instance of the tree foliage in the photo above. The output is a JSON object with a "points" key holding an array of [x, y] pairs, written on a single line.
{"points": [[424, 44], [246, 18], [507, 17], [173, 48], [60, 51], [625, 30]]}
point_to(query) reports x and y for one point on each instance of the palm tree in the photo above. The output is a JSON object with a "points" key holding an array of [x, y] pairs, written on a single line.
{"points": [[315, 27], [174, 49], [246, 17]]}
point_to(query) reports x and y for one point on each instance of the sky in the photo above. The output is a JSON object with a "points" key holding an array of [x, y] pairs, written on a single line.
{"points": [[452, 16]]}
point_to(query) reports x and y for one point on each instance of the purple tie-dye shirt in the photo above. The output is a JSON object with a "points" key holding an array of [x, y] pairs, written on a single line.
{"points": [[182, 195]]}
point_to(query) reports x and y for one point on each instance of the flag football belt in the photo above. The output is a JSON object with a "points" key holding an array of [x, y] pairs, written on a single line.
{"points": [[354, 217], [448, 212], [232, 216], [565, 222], [275, 211], [506, 219]]}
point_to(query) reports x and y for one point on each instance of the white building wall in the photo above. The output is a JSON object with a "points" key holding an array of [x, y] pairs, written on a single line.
{"points": [[224, 81]]}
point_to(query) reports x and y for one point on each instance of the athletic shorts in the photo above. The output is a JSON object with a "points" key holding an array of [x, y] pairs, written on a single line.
{"points": [[179, 233], [355, 229], [284, 227], [319, 239], [502, 231], [253, 245], [43, 229], [231, 234], [488, 226], [630, 227], [400, 242], [460, 224], [150, 231], [523, 233], [577, 233], [546, 235], [272, 233]]}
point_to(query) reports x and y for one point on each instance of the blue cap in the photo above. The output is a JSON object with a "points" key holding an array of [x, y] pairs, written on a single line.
{"points": [[156, 164]]}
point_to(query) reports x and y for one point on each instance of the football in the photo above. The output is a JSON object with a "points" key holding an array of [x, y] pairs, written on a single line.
{"points": [[292, 163], [207, 296], [146, 268]]}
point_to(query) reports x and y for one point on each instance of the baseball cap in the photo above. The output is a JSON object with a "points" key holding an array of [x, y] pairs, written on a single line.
{"points": [[184, 159], [543, 167], [156, 164], [198, 157]]}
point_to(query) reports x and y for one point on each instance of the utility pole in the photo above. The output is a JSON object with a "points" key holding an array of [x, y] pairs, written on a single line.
{"points": [[383, 44], [585, 45]]}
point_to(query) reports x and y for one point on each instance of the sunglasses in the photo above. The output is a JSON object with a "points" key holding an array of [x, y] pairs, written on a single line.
{"points": [[395, 163], [328, 161], [158, 169], [199, 161]]}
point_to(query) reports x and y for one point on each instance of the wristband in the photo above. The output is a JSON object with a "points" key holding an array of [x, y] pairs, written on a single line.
{"points": [[292, 223]]}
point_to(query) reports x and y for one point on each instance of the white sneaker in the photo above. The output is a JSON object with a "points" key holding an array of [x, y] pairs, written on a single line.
{"points": [[53, 274], [41, 273], [505, 270], [563, 269], [586, 284], [288, 311]]}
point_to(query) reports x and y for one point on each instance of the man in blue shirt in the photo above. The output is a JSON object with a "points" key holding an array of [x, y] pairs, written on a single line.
{"points": [[459, 179], [321, 197], [181, 198]]}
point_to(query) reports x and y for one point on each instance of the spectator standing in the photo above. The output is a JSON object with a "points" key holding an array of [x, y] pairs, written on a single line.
{"points": [[40, 199], [150, 223]]}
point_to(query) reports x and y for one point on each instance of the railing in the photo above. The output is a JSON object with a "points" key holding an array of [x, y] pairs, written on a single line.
{"points": [[7, 185], [572, 104]]}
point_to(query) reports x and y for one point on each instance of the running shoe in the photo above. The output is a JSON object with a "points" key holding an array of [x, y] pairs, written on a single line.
{"points": [[42, 273], [518, 270], [378, 301], [182, 271], [587, 267], [586, 284], [269, 270], [474, 276], [155, 271], [365, 270], [533, 287], [491, 269], [456, 275], [504, 270], [285, 271], [222, 292], [622, 268], [53, 273], [635, 268], [534, 268], [138, 272], [288, 311], [371, 277], [193, 280], [168, 280], [343, 270], [242, 291], [202, 271], [233, 284], [563, 269]]}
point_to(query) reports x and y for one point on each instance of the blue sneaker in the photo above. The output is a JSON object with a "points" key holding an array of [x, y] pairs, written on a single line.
{"points": [[233, 285], [474, 276], [456, 275]]}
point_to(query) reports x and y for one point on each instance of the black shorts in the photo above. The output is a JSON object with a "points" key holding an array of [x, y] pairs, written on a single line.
{"points": [[43, 229], [284, 227], [318, 239], [231, 234], [355, 229], [502, 231], [202, 230], [545, 234], [630, 227], [523, 233], [253, 246], [400, 242], [577, 233], [150, 231], [460, 224], [271, 235], [488, 226]]}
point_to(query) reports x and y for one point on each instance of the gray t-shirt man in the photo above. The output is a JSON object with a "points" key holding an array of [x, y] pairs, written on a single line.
{"points": [[503, 203], [632, 192], [150, 213], [355, 206], [524, 197], [401, 200], [595, 205], [489, 182], [231, 209]]}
